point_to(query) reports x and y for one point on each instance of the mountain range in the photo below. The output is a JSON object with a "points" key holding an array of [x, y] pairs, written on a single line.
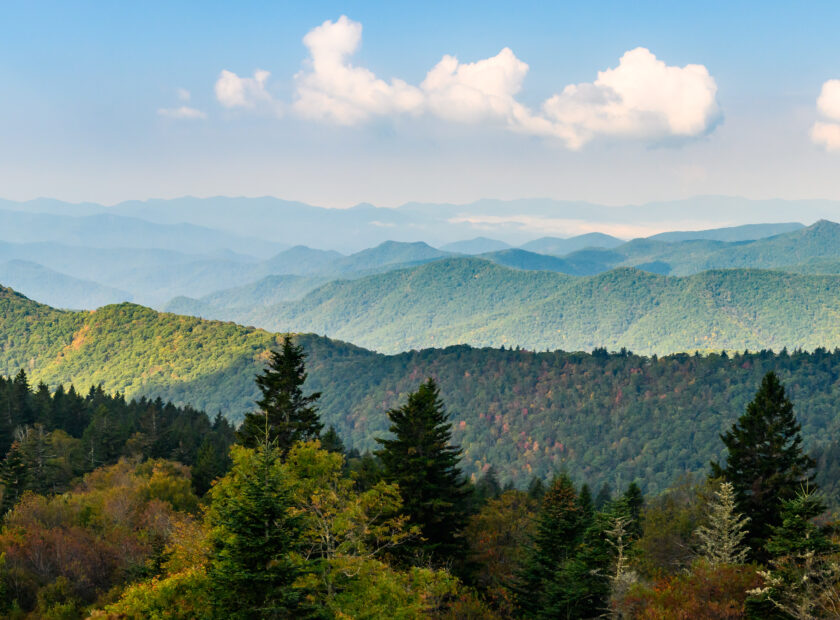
{"points": [[602, 417]]}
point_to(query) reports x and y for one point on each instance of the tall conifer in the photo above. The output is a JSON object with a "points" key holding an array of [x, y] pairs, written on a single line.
{"points": [[290, 415], [765, 462], [423, 462], [540, 589]]}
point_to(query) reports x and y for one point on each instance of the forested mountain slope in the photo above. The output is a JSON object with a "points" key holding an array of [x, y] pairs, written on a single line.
{"points": [[467, 300], [676, 256], [602, 417]]}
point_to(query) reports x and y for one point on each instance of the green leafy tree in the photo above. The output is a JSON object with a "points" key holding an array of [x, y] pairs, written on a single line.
{"points": [[422, 461], [254, 536], [765, 462], [289, 415]]}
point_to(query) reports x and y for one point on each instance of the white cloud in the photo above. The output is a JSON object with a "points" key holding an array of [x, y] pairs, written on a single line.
{"points": [[183, 94], [233, 91], [827, 133], [470, 92], [184, 112], [641, 98], [829, 100], [332, 89]]}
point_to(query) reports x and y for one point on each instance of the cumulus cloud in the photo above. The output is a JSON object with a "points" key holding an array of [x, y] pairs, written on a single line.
{"points": [[233, 91], [641, 98], [827, 133], [184, 112], [332, 89], [471, 92]]}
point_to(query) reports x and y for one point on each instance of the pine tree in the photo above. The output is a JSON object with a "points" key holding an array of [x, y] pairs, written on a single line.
{"points": [[542, 591], [290, 415], [253, 532], [765, 462], [721, 540], [424, 464]]}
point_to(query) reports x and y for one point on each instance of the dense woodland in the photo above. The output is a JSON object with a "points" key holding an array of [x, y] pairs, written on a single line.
{"points": [[604, 417], [140, 509]]}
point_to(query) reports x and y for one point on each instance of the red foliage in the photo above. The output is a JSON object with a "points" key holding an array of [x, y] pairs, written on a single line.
{"points": [[704, 594]]}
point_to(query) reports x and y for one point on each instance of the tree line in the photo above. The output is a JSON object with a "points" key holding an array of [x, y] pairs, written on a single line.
{"points": [[296, 526]]}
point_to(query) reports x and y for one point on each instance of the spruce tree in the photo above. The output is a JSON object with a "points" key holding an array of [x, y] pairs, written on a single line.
{"points": [[803, 575], [586, 502], [254, 531], [422, 461], [765, 462], [290, 415], [14, 478], [543, 587], [331, 441]]}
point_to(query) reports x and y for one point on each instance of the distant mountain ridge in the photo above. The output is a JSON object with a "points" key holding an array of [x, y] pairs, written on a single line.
{"points": [[363, 226]]}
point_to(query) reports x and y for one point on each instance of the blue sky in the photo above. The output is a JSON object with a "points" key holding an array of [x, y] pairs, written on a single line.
{"points": [[94, 101]]}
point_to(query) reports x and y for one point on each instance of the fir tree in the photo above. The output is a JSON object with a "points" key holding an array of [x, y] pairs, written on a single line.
{"points": [[424, 464], [543, 585], [290, 415], [721, 539], [765, 462], [331, 441], [586, 501], [802, 581], [14, 478], [487, 487], [604, 497], [254, 532], [536, 489]]}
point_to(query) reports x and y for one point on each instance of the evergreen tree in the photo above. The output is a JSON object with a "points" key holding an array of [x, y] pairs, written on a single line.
{"points": [[254, 531], [14, 478], [422, 462], [604, 497], [331, 441], [802, 581], [586, 502], [721, 539], [632, 503], [290, 415], [536, 489], [543, 585], [487, 487], [765, 462]]}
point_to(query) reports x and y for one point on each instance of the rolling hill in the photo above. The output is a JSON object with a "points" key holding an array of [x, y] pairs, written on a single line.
{"points": [[602, 417], [468, 300], [556, 246]]}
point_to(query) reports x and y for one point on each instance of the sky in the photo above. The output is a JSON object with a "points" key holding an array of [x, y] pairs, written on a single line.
{"points": [[336, 103]]}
